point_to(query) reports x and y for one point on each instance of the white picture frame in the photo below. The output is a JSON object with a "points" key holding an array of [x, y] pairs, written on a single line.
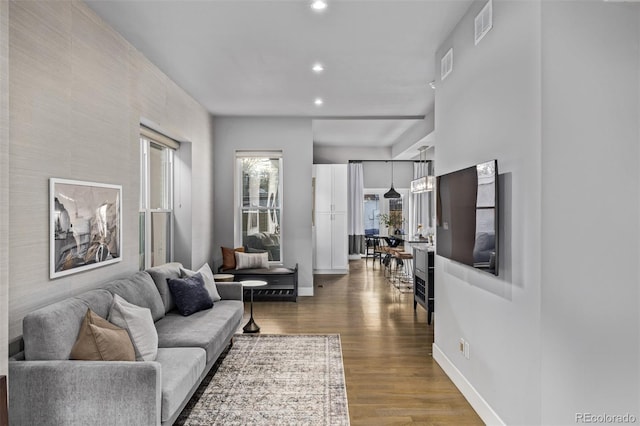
{"points": [[85, 226]]}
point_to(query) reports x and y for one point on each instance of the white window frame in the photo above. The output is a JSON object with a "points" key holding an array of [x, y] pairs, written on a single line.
{"points": [[145, 194], [237, 205]]}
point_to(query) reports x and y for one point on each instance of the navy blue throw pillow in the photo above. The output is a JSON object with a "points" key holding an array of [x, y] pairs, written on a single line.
{"points": [[189, 294]]}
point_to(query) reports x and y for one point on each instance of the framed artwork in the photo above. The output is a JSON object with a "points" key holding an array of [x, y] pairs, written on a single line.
{"points": [[85, 221]]}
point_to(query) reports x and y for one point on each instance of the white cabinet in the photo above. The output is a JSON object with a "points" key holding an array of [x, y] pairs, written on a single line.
{"points": [[331, 251]]}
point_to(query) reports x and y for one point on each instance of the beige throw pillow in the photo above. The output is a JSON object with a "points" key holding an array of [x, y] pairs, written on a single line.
{"points": [[252, 260], [99, 340], [139, 323]]}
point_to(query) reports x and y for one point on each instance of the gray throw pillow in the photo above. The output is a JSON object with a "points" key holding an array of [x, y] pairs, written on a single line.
{"points": [[189, 294], [252, 260], [207, 276], [139, 323]]}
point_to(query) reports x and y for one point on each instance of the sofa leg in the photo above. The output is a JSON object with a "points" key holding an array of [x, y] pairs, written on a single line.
{"points": [[4, 413], [231, 343]]}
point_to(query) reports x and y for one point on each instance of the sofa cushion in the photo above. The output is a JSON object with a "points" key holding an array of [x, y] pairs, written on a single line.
{"points": [[99, 340], [49, 333], [252, 260], [139, 324], [207, 276], [209, 329], [140, 290], [181, 371], [190, 294], [160, 274]]}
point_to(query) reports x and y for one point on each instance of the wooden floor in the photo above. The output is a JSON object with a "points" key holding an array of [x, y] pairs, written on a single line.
{"points": [[390, 374]]}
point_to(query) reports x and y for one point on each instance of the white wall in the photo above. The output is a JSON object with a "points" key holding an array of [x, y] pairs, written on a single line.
{"points": [[378, 174], [78, 93], [412, 135], [489, 107], [294, 137], [183, 223], [4, 186], [342, 155], [552, 92], [590, 186]]}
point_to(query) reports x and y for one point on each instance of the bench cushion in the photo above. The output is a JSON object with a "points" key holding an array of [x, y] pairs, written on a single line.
{"points": [[264, 271]]}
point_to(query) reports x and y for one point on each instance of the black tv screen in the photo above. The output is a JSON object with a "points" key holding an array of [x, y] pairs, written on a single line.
{"points": [[467, 216]]}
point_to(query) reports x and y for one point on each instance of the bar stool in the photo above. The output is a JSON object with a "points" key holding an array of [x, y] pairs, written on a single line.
{"points": [[379, 250], [403, 270], [390, 263], [372, 243]]}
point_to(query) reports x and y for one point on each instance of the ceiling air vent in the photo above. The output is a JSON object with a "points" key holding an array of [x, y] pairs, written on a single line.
{"points": [[446, 64], [483, 22]]}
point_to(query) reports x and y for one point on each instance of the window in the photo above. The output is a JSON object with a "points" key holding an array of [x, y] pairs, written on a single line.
{"points": [[396, 216], [156, 200], [384, 216], [371, 212], [259, 203]]}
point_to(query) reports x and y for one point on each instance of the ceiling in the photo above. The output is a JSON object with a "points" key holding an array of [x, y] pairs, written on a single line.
{"points": [[254, 58]]}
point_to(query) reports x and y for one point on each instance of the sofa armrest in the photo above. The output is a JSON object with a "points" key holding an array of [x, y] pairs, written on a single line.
{"points": [[84, 392], [229, 290]]}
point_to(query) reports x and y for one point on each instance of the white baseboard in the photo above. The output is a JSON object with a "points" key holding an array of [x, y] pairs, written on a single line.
{"points": [[476, 400], [330, 271], [355, 257], [305, 291]]}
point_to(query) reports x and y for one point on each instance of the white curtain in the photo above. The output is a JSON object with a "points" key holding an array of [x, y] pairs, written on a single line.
{"points": [[355, 225], [421, 214]]}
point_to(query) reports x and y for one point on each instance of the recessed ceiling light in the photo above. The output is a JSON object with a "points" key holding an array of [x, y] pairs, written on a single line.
{"points": [[318, 5], [318, 101], [318, 67]]}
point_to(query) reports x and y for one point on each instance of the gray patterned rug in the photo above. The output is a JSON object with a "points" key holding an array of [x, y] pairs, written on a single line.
{"points": [[273, 380]]}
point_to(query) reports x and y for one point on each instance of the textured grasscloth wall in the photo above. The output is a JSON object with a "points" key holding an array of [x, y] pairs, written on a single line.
{"points": [[4, 185], [78, 93]]}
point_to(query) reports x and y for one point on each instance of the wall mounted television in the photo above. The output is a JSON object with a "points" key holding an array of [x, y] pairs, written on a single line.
{"points": [[467, 216]]}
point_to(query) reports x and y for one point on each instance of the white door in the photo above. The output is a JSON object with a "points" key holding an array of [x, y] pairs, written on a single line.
{"points": [[324, 187], [324, 240], [340, 188], [340, 253]]}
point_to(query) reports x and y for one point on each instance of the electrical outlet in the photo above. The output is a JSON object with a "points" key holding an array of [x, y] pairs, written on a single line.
{"points": [[466, 350], [461, 345]]}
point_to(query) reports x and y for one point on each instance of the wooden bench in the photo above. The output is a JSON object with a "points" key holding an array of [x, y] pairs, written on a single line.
{"points": [[282, 283]]}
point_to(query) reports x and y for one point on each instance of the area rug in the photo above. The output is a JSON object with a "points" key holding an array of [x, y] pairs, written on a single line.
{"points": [[273, 380]]}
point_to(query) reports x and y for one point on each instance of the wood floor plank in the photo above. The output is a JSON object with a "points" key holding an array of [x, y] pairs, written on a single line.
{"points": [[390, 374]]}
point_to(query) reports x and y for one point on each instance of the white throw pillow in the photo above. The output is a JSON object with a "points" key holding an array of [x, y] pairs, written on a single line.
{"points": [[251, 260], [139, 323], [207, 276]]}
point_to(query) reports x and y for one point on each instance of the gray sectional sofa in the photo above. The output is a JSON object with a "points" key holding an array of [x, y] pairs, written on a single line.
{"points": [[46, 388]]}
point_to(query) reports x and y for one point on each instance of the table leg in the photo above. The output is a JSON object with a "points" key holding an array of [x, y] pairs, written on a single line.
{"points": [[251, 326]]}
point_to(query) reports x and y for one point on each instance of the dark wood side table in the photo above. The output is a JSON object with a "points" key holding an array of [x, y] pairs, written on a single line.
{"points": [[251, 326]]}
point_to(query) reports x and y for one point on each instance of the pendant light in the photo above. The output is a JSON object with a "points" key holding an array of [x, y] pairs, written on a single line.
{"points": [[424, 183], [392, 193]]}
